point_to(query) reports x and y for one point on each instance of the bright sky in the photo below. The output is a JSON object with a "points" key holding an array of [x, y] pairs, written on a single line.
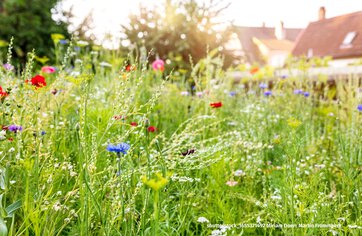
{"points": [[109, 14]]}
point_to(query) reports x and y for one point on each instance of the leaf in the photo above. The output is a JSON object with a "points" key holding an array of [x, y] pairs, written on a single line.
{"points": [[3, 228], [12, 208], [42, 60], [3, 43], [2, 179]]}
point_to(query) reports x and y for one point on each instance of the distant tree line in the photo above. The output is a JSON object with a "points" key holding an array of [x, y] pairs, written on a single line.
{"points": [[31, 24], [178, 30]]}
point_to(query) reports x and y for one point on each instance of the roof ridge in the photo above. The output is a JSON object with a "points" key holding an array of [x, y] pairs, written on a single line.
{"points": [[265, 27], [335, 17], [325, 37]]}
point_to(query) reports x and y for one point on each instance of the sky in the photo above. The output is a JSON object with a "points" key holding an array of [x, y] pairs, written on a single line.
{"points": [[110, 14]]}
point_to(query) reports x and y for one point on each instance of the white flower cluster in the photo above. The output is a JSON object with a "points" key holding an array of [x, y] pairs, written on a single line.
{"points": [[2, 134], [183, 179]]}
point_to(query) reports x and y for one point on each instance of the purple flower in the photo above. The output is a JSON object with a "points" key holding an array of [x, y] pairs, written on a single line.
{"points": [[263, 86], [232, 94], [359, 107], [306, 94], [122, 147], [199, 94], [185, 93], [283, 76], [8, 66], [267, 93], [63, 41], [298, 91], [15, 128]]}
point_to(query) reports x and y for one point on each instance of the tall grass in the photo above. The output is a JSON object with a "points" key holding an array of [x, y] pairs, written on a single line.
{"points": [[285, 159]]}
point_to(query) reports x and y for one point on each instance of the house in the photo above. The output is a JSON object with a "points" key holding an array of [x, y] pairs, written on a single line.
{"points": [[339, 37], [267, 45]]}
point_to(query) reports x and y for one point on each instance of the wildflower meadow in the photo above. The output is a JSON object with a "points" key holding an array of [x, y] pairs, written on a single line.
{"points": [[100, 144]]}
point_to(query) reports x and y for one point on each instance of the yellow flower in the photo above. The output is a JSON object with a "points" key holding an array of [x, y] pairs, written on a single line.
{"points": [[57, 37], [155, 183], [276, 139], [294, 123]]}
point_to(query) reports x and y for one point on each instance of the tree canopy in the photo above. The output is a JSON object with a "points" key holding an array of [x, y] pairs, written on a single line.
{"points": [[31, 24], [179, 29]]}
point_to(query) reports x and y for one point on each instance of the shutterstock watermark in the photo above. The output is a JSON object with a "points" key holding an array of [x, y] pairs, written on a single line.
{"points": [[271, 225]]}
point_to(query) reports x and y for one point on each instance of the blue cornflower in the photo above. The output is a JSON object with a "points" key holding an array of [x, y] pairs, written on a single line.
{"points": [[232, 93], [122, 147], [267, 93], [263, 86], [43, 132], [306, 94], [298, 91], [15, 128], [359, 107], [77, 48], [63, 41]]}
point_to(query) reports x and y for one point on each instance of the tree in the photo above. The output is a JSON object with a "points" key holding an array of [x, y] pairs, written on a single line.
{"points": [[31, 25], [82, 30], [182, 29]]}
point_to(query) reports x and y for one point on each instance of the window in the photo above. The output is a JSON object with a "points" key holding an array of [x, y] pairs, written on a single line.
{"points": [[347, 41]]}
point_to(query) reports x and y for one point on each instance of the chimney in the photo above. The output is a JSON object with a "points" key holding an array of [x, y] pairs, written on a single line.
{"points": [[322, 13], [280, 31]]}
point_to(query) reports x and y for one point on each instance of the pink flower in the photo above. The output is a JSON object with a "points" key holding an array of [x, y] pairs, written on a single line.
{"points": [[158, 65], [48, 69], [231, 183]]}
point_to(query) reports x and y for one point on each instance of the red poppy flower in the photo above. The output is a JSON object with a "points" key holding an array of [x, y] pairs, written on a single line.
{"points": [[151, 129], [3, 93], [133, 123], [253, 70], [38, 81], [216, 104], [130, 68]]}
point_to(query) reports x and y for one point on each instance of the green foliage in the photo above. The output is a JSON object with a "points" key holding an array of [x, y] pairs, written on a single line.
{"points": [[281, 159], [179, 30], [304, 63], [31, 25]]}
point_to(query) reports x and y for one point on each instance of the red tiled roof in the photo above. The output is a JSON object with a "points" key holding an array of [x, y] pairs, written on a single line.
{"points": [[325, 37], [275, 44], [246, 35]]}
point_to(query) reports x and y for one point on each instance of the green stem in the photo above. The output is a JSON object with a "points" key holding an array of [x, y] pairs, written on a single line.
{"points": [[155, 211]]}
